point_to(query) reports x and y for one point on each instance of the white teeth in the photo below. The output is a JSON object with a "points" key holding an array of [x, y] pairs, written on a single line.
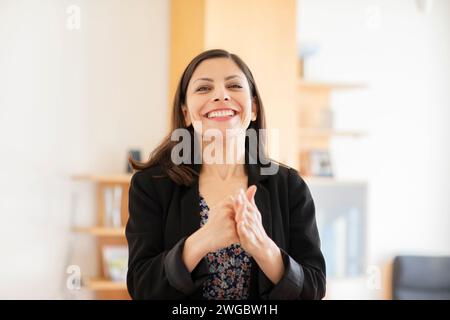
{"points": [[220, 113]]}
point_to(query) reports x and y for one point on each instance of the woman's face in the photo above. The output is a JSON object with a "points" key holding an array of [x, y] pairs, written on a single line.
{"points": [[218, 96]]}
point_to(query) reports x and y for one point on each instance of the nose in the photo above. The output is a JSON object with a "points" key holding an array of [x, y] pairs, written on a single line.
{"points": [[221, 94]]}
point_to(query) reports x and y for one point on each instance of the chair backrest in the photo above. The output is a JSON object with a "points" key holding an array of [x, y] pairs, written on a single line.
{"points": [[421, 278]]}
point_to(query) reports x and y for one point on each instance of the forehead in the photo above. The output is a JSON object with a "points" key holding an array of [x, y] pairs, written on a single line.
{"points": [[216, 68]]}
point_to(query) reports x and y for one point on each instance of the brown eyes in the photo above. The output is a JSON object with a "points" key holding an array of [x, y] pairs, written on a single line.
{"points": [[202, 89], [205, 88]]}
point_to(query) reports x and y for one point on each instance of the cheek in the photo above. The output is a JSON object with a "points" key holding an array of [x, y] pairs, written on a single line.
{"points": [[246, 105], [194, 105]]}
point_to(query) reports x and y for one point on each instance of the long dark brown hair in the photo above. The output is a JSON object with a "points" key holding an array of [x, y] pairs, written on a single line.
{"points": [[184, 174]]}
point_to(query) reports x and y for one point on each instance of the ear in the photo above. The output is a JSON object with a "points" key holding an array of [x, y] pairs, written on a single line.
{"points": [[187, 116], [254, 109]]}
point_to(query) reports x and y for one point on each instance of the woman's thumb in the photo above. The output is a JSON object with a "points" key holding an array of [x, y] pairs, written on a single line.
{"points": [[251, 191]]}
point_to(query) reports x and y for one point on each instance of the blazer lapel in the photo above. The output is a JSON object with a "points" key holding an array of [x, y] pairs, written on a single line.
{"points": [[189, 208]]}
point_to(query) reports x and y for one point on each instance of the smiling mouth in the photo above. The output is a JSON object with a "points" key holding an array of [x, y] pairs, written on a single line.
{"points": [[221, 115]]}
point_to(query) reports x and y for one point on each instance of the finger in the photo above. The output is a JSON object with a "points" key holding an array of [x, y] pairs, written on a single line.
{"points": [[251, 207], [251, 191], [249, 204], [239, 208], [236, 207], [245, 196], [249, 213], [242, 231], [246, 233]]}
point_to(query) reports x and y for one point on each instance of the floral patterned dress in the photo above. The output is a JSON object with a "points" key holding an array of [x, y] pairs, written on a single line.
{"points": [[229, 269]]}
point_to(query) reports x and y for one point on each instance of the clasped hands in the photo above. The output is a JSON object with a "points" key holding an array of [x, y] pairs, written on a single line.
{"points": [[236, 219]]}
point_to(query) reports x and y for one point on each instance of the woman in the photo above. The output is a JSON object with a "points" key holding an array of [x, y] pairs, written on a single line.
{"points": [[208, 229]]}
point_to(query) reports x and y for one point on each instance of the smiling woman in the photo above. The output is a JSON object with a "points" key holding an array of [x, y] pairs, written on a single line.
{"points": [[219, 92], [210, 73], [221, 230]]}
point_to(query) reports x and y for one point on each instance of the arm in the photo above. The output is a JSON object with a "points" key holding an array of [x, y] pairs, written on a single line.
{"points": [[304, 276], [194, 249], [270, 261], [154, 273], [253, 237]]}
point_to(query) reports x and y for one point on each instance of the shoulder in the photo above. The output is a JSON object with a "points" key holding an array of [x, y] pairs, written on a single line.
{"points": [[286, 174], [290, 187], [287, 181], [153, 179], [148, 173]]}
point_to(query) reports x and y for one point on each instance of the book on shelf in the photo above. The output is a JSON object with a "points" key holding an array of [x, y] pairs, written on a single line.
{"points": [[113, 206], [115, 262]]}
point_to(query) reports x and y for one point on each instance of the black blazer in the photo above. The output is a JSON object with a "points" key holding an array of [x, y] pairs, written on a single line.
{"points": [[163, 214]]}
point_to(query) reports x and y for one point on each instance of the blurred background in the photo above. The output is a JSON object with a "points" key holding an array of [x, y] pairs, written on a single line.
{"points": [[358, 89]]}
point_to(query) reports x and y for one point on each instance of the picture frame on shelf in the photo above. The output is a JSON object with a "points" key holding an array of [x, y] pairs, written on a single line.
{"points": [[136, 155], [321, 163], [316, 162]]}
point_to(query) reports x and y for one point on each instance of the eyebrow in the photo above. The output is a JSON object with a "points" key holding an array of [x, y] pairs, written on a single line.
{"points": [[211, 80]]}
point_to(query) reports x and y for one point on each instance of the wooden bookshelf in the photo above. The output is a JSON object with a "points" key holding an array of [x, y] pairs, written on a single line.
{"points": [[104, 285], [105, 178], [271, 54], [316, 121], [317, 85], [311, 132], [112, 214], [101, 231], [330, 181]]}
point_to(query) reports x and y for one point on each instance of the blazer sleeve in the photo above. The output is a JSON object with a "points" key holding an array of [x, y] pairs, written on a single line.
{"points": [[304, 276], [155, 273]]}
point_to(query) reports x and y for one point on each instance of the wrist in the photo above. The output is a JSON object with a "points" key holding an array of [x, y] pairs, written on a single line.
{"points": [[269, 251], [193, 251], [199, 242], [271, 261]]}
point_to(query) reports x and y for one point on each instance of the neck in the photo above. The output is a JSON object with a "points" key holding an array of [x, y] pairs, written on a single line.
{"points": [[228, 159]]}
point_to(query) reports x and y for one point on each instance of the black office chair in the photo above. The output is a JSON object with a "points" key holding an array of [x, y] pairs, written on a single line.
{"points": [[421, 278]]}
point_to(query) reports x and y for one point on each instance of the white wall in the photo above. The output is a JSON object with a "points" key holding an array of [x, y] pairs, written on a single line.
{"points": [[71, 101], [404, 58]]}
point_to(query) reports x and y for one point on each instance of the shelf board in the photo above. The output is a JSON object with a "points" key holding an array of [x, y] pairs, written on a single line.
{"points": [[101, 231], [104, 178], [330, 85], [314, 132], [104, 285], [330, 181]]}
